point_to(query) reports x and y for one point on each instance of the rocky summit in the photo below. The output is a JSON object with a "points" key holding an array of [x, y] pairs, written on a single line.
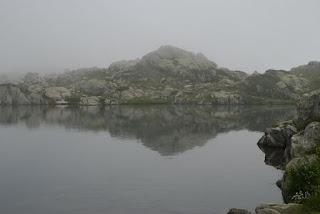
{"points": [[169, 75]]}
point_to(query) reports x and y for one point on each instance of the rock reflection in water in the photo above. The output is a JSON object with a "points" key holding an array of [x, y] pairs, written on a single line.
{"points": [[166, 129]]}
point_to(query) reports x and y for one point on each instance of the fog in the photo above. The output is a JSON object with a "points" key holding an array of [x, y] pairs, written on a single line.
{"points": [[53, 35]]}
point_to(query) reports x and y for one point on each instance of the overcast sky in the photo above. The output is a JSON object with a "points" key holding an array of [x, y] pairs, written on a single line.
{"points": [[248, 35]]}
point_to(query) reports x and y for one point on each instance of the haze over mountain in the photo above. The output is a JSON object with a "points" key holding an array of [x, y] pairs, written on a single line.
{"points": [[51, 36]]}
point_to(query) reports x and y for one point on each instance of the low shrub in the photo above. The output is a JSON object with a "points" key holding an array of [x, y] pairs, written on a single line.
{"points": [[304, 184]]}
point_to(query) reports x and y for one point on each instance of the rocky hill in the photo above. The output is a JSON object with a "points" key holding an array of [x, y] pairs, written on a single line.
{"points": [[168, 75]]}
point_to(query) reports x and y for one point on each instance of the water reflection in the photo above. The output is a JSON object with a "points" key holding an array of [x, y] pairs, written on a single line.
{"points": [[168, 130]]}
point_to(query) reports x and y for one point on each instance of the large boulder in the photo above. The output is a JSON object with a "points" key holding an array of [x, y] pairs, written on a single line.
{"points": [[308, 108], [57, 95], [279, 136], [306, 141], [90, 101]]}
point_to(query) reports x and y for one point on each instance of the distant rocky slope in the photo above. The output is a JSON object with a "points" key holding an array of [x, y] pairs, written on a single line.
{"points": [[168, 75]]}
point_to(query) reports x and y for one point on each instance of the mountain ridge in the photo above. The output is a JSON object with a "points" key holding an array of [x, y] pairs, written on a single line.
{"points": [[168, 75]]}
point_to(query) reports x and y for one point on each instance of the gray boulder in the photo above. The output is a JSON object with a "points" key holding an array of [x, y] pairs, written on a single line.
{"points": [[308, 108], [90, 101], [278, 137], [305, 142], [57, 95]]}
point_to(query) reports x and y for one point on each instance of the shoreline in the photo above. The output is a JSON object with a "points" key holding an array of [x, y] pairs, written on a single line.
{"points": [[299, 141]]}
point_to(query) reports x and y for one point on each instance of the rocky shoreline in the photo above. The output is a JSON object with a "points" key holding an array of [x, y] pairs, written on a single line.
{"points": [[168, 75], [293, 146]]}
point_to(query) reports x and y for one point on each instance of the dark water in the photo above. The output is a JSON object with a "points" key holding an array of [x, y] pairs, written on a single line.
{"points": [[135, 159]]}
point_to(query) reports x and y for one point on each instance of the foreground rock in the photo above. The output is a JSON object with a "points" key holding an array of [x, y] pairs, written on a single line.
{"points": [[302, 133], [299, 140], [306, 141], [279, 136], [279, 209]]}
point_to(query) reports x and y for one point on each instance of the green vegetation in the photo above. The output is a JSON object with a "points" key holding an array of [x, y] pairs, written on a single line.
{"points": [[303, 184]]}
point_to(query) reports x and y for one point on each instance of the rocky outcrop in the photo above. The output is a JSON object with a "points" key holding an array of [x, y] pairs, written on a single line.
{"points": [[279, 136], [279, 209], [11, 94], [275, 84], [90, 101], [306, 141], [170, 75], [57, 95], [310, 72], [299, 140], [308, 108]]}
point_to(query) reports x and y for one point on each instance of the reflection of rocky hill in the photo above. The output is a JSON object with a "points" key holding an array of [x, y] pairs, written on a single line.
{"points": [[166, 129]]}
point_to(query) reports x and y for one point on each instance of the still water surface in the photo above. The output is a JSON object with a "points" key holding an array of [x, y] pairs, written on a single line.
{"points": [[135, 159]]}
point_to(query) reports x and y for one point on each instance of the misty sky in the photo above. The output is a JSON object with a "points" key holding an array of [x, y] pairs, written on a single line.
{"points": [[248, 35]]}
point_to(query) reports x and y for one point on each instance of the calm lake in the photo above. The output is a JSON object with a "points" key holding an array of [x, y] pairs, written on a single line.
{"points": [[135, 159]]}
